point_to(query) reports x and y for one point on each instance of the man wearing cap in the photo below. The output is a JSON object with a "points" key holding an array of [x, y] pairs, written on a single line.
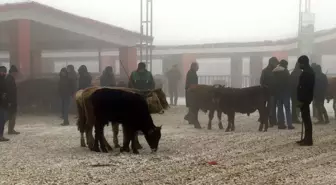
{"points": [[305, 97], [12, 98]]}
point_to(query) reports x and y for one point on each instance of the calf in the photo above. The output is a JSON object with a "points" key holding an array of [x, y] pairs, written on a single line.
{"points": [[200, 98], [125, 107], [242, 100]]}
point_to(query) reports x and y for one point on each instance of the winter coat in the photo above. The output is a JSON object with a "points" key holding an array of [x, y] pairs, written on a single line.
{"points": [[305, 91], [11, 90], [142, 80], [173, 77], [107, 80], [281, 82], [321, 86], [267, 79], [191, 79], [84, 81]]}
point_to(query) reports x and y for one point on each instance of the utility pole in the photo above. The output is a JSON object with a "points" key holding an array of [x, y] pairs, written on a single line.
{"points": [[146, 26], [306, 28]]}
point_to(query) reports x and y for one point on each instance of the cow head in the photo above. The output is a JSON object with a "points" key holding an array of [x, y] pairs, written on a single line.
{"points": [[216, 92], [153, 137], [162, 97]]}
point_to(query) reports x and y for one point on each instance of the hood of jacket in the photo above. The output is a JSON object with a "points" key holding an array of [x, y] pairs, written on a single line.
{"points": [[278, 68]]}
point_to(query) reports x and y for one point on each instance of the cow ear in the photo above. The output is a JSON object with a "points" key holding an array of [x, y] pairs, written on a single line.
{"points": [[159, 127]]}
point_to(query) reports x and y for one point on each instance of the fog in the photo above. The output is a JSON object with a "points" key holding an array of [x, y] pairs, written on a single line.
{"points": [[178, 22]]}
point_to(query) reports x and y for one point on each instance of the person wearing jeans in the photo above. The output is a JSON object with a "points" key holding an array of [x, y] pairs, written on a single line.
{"points": [[66, 91], [282, 94]]}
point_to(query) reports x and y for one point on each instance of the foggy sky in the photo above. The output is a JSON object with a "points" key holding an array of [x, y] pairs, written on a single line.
{"points": [[202, 21]]}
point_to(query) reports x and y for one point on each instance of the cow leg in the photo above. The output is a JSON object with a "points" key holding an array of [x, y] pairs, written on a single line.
{"points": [[89, 137], [82, 140], [108, 146], [135, 143], [102, 139], [233, 127], [211, 116], [115, 130], [219, 116], [127, 139], [228, 128]]}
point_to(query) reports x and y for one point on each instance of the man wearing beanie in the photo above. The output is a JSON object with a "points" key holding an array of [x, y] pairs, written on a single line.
{"points": [[305, 97], [12, 98]]}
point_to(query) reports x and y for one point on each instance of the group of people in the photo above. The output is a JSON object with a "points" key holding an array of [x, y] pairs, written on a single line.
{"points": [[8, 100], [69, 83], [305, 84]]}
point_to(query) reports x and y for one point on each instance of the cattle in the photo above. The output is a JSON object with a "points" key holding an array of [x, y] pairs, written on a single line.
{"points": [[331, 92], [86, 116], [125, 107], [242, 100], [38, 95], [200, 98]]}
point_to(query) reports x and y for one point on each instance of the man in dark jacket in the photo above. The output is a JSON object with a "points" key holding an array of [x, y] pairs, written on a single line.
{"points": [[282, 94], [294, 82], [320, 91], [3, 103], [313, 66], [173, 76], [12, 98], [141, 79], [107, 79], [191, 80], [305, 97], [266, 80], [66, 89], [85, 79]]}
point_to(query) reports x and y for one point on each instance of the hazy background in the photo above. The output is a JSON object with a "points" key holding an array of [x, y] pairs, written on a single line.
{"points": [[179, 22], [200, 21]]}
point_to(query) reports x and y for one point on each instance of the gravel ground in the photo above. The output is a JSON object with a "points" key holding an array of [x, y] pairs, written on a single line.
{"points": [[46, 153]]}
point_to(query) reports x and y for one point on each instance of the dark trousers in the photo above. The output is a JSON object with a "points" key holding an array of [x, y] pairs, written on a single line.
{"points": [[3, 120], [272, 111], [305, 114], [65, 108], [11, 121], [173, 94], [284, 102], [321, 111], [295, 111]]}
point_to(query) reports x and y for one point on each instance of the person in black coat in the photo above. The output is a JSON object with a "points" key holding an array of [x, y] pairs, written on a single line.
{"points": [[66, 90], [3, 103], [107, 79], [294, 82], [12, 98], [320, 91], [85, 79], [267, 80], [305, 94], [282, 94], [191, 79], [173, 76]]}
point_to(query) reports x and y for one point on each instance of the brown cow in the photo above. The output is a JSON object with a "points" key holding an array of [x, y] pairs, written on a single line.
{"points": [[200, 98], [242, 100], [86, 116]]}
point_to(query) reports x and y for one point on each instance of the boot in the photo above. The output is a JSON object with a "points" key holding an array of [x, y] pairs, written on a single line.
{"points": [[3, 139], [13, 132]]}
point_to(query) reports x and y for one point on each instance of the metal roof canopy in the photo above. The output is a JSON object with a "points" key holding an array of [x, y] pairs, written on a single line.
{"points": [[53, 29]]}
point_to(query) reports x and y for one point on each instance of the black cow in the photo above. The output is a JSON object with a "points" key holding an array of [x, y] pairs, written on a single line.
{"points": [[200, 98], [128, 108], [242, 100]]}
